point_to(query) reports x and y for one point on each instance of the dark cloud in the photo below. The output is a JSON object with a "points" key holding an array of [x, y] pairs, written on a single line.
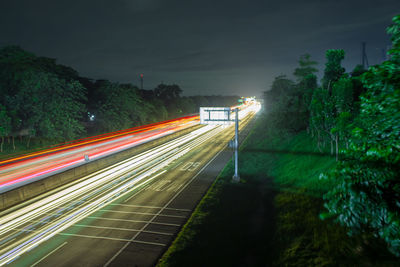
{"points": [[205, 46]]}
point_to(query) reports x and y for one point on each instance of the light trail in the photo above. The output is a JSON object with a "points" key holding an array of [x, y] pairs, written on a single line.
{"points": [[88, 140], [144, 165], [19, 171], [45, 217]]}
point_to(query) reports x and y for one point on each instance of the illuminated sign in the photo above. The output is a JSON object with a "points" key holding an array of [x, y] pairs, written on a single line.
{"points": [[215, 115]]}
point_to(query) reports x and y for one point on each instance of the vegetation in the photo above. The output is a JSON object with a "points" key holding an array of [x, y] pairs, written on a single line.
{"points": [[348, 129], [271, 218], [359, 115], [43, 103], [366, 197]]}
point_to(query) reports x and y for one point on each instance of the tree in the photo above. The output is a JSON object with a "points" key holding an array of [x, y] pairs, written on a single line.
{"points": [[329, 112], [306, 67], [5, 125], [43, 99], [284, 105], [320, 108], [306, 85], [367, 195], [51, 107], [170, 96], [167, 92], [342, 97], [333, 69], [118, 107]]}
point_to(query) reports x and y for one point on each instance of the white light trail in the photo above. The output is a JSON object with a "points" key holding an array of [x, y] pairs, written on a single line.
{"points": [[64, 208], [141, 166]]}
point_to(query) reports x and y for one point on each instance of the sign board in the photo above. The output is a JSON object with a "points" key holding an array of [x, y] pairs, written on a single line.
{"points": [[215, 115]]}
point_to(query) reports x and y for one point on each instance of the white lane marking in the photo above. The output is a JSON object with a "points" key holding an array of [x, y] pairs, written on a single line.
{"points": [[114, 239], [134, 221], [177, 188], [190, 166], [186, 166], [194, 166], [120, 229], [80, 212], [112, 219], [144, 186], [150, 207], [158, 186], [143, 213], [164, 207], [106, 227], [54, 250], [166, 185]]}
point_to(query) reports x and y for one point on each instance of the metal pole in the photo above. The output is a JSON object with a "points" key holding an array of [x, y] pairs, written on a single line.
{"points": [[236, 177]]}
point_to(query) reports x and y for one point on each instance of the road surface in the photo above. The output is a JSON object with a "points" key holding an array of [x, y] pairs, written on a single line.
{"points": [[124, 215], [29, 168]]}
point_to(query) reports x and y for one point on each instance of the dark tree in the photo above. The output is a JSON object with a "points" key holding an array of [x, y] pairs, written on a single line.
{"points": [[367, 195], [333, 69]]}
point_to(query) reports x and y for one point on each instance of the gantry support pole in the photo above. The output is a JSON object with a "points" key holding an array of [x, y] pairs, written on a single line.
{"points": [[236, 177]]}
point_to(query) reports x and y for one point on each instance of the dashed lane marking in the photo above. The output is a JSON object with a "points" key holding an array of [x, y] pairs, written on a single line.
{"points": [[122, 229], [94, 237], [125, 220], [114, 239], [54, 250], [190, 166], [109, 228], [145, 186], [150, 207], [143, 213]]}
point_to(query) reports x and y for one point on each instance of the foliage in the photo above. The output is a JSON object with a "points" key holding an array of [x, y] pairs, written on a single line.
{"points": [[306, 67], [5, 125], [287, 102], [367, 195], [50, 107], [47, 102], [281, 103], [275, 219], [332, 106], [118, 107], [333, 69]]}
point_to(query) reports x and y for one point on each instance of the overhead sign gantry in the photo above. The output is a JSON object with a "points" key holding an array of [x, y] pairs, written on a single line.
{"points": [[222, 116]]}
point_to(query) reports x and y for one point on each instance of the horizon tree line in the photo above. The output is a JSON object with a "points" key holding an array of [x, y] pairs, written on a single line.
{"points": [[45, 102]]}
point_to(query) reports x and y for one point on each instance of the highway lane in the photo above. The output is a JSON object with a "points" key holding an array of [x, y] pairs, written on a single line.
{"points": [[123, 212]]}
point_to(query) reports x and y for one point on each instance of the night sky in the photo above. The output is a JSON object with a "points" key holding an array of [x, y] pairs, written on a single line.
{"points": [[206, 47]]}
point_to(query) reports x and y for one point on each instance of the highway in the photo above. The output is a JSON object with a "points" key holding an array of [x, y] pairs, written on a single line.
{"points": [[29, 168], [123, 215]]}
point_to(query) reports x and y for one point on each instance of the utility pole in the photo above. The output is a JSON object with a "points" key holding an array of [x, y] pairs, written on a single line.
{"points": [[236, 177], [141, 81], [364, 58]]}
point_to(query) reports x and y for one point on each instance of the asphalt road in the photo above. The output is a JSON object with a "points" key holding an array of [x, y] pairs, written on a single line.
{"points": [[125, 215], [26, 169]]}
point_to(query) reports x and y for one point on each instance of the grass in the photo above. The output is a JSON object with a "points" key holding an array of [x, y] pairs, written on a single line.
{"points": [[271, 218]]}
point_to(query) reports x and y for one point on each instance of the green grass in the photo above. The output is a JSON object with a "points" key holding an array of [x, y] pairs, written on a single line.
{"points": [[293, 163], [271, 218]]}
